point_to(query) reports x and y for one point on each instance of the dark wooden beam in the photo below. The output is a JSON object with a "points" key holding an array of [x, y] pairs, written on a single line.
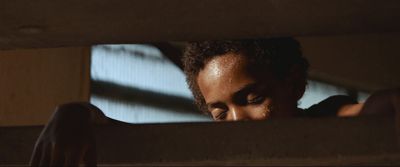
{"points": [[280, 142]]}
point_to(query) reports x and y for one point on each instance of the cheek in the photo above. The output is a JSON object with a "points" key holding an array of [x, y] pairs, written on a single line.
{"points": [[261, 111]]}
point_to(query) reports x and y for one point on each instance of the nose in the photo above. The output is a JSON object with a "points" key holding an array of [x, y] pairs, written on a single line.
{"points": [[239, 114]]}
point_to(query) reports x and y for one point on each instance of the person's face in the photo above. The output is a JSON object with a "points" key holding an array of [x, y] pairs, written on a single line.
{"points": [[231, 93]]}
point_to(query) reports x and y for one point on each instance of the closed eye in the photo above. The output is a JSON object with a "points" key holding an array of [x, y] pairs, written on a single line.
{"points": [[255, 99], [219, 114], [218, 110], [250, 94]]}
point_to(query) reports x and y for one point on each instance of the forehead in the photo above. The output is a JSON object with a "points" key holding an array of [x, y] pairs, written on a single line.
{"points": [[223, 75], [225, 65]]}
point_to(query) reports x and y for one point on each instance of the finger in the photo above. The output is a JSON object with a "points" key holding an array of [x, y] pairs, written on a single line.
{"points": [[46, 155], [37, 152], [58, 155]]}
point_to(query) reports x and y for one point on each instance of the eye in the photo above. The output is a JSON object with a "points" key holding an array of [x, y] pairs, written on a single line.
{"points": [[255, 98], [219, 114]]}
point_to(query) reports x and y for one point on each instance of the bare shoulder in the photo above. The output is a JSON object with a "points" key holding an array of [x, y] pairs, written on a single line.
{"points": [[350, 110], [384, 102]]}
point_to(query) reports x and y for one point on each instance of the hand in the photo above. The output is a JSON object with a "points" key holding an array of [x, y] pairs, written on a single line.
{"points": [[68, 138], [386, 102]]}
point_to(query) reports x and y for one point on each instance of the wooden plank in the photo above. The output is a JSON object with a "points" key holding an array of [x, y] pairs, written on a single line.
{"points": [[16, 144], [356, 141], [48, 23]]}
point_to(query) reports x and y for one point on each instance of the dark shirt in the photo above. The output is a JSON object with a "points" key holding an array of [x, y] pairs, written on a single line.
{"points": [[328, 107]]}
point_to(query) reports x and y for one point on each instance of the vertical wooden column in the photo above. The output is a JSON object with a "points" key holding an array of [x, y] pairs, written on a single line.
{"points": [[34, 81]]}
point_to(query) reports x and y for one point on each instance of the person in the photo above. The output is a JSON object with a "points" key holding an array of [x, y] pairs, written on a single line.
{"points": [[68, 139], [231, 80], [255, 79]]}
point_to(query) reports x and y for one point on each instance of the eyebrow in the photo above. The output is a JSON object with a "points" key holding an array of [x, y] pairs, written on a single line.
{"points": [[236, 95], [215, 105]]}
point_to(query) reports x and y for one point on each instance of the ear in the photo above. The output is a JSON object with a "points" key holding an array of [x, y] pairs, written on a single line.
{"points": [[298, 81]]}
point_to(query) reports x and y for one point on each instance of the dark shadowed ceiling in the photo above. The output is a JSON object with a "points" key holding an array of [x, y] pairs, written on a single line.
{"points": [[48, 23], [52, 23]]}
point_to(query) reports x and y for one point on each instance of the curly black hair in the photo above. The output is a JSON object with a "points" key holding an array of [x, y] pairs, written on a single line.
{"points": [[278, 55]]}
